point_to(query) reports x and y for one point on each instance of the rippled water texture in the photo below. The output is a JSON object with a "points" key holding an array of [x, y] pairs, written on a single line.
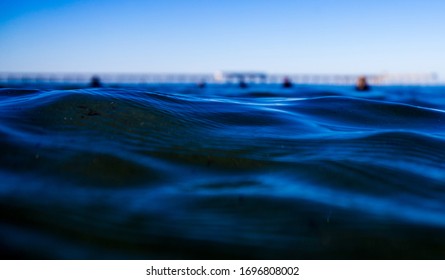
{"points": [[179, 172]]}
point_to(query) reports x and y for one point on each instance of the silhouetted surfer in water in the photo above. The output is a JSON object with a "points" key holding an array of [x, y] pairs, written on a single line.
{"points": [[201, 84], [95, 82], [362, 84], [287, 83], [242, 83]]}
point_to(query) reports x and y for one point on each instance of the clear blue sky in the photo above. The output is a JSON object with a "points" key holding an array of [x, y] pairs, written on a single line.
{"points": [[196, 36]]}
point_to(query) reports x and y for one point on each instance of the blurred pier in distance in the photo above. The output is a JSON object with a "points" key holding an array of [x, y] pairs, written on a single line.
{"points": [[110, 79]]}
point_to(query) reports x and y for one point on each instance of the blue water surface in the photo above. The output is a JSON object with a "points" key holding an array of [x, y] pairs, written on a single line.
{"points": [[181, 172]]}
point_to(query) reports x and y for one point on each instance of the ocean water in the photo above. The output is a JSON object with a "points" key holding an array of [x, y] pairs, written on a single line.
{"points": [[179, 172]]}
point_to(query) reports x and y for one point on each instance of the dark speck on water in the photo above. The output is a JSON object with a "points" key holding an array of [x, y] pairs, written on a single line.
{"points": [[279, 171], [92, 113]]}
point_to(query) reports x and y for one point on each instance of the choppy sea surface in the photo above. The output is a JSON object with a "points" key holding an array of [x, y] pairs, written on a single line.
{"points": [[179, 172]]}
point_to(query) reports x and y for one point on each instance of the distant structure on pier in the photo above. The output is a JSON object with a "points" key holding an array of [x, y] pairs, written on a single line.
{"points": [[240, 77]]}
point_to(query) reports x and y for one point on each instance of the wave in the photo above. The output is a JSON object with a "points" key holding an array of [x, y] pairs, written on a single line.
{"points": [[177, 172]]}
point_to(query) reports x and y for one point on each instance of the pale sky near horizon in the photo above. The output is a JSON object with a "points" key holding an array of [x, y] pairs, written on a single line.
{"points": [[204, 36]]}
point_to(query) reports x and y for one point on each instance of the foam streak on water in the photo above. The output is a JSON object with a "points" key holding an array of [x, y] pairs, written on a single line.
{"points": [[221, 172]]}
